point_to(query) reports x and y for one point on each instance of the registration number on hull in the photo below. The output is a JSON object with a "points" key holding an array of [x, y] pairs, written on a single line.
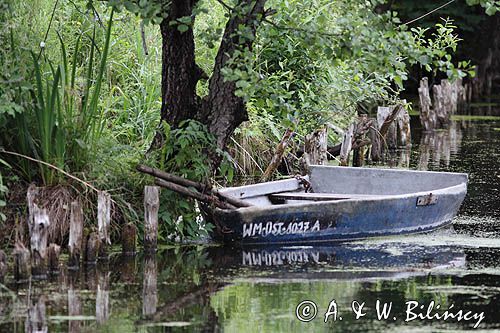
{"points": [[265, 229]]}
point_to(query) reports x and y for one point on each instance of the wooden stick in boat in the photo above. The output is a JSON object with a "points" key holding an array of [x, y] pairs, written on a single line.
{"points": [[202, 188], [210, 199]]}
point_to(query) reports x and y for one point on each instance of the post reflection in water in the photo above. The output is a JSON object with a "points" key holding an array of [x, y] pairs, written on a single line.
{"points": [[149, 286], [74, 303], [36, 321], [438, 146], [102, 311]]}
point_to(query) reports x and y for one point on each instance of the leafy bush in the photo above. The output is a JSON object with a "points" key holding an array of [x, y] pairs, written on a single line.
{"points": [[187, 152]]}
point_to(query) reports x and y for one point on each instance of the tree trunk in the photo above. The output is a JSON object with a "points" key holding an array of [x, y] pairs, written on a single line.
{"points": [[221, 110], [180, 74]]}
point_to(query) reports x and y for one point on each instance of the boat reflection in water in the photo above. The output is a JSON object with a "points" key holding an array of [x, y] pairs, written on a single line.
{"points": [[337, 261]]}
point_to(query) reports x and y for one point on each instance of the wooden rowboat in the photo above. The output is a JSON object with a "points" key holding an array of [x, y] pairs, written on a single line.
{"points": [[340, 203]]}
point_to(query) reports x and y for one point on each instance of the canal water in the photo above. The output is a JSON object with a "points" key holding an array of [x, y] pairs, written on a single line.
{"points": [[208, 289]]}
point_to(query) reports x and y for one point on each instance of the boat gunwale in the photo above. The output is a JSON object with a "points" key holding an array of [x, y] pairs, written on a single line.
{"points": [[455, 189]]}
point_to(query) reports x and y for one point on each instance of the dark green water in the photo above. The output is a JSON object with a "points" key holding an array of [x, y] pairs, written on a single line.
{"points": [[206, 289]]}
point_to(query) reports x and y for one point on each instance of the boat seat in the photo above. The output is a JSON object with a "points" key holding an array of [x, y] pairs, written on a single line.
{"points": [[318, 196]]}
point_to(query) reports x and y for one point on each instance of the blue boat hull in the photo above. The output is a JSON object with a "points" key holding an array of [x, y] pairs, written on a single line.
{"points": [[339, 220]]}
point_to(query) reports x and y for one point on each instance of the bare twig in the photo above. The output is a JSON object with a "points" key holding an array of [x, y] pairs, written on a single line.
{"points": [[428, 13]]}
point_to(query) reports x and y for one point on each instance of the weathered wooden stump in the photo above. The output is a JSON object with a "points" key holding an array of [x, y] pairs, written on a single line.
{"points": [[427, 115], [75, 235], [129, 239], [103, 222], [362, 128], [347, 145], [22, 262], [384, 115], [149, 286], [31, 196], [316, 147], [39, 230], [151, 206], [91, 248], [404, 130], [53, 255], [447, 98], [376, 144], [358, 157], [440, 100]]}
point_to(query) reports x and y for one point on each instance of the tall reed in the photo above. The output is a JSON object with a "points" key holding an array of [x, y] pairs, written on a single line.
{"points": [[66, 126]]}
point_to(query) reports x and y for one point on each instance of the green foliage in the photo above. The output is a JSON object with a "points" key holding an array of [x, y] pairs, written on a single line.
{"points": [[435, 54], [322, 61], [13, 87], [187, 153], [490, 6]]}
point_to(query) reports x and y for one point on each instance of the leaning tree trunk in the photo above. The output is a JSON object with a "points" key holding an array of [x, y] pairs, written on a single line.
{"points": [[224, 111], [221, 110]]}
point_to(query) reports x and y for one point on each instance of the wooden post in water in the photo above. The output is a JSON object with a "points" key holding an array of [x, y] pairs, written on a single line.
{"points": [[376, 147], [75, 235], [316, 147], [151, 206], [53, 255], [404, 130], [149, 286], [38, 241], [384, 113], [427, 114], [3, 265], [103, 222], [440, 107], [362, 127], [129, 237], [346, 145], [22, 262]]}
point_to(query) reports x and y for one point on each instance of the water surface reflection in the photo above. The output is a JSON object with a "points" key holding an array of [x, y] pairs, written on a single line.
{"points": [[210, 289]]}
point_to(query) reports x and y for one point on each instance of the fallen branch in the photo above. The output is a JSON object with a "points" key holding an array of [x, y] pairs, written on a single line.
{"points": [[210, 199], [201, 188], [278, 155], [390, 118]]}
